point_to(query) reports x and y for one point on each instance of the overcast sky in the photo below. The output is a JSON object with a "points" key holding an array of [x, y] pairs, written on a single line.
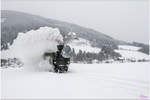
{"points": [[122, 19]]}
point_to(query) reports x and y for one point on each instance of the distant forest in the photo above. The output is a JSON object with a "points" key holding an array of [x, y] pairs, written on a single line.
{"points": [[106, 53]]}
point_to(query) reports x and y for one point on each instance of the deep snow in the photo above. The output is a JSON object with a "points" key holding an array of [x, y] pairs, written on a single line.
{"points": [[126, 80]]}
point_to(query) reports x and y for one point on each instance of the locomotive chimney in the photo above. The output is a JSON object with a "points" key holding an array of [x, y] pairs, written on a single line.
{"points": [[60, 47]]}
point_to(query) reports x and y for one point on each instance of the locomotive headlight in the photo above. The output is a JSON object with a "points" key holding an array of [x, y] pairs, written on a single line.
{"points": [[54, 62], [68, 62]]}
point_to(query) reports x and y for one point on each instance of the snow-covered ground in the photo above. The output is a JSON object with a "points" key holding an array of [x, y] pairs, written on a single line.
{"points": [[84, 81]]}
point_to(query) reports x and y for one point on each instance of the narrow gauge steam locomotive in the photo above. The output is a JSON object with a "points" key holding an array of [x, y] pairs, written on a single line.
{"points": [[60, 63]]}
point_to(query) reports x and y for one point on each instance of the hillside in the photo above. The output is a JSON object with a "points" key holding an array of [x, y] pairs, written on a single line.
{"points": [[14, 22]]}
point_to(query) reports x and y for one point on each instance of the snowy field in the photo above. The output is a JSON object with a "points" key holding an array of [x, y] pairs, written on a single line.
{"points": [[92, 81]]}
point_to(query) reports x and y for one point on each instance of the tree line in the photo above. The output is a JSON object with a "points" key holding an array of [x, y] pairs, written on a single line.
{"points": [[106, 53]]}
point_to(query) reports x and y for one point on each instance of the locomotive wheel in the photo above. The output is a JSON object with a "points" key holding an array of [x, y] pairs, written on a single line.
{"points": [[60, 71], [66, 68], [56, 69]]}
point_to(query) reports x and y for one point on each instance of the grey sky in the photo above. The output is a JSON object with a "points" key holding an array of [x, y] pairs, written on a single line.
{"points": [[124, 20]]}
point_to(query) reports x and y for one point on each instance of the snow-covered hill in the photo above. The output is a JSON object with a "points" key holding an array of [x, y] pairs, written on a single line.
{"points": [[128, 47], [22, 22], [83, 81], [126, 51], [133, 55], [131, 52], [83, 45]]}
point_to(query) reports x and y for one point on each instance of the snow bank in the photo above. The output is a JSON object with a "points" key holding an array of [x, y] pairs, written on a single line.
{"points": [[29, 47]]}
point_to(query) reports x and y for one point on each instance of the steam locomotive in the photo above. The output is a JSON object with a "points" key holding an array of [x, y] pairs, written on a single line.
{"points": [[59, 62]]}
